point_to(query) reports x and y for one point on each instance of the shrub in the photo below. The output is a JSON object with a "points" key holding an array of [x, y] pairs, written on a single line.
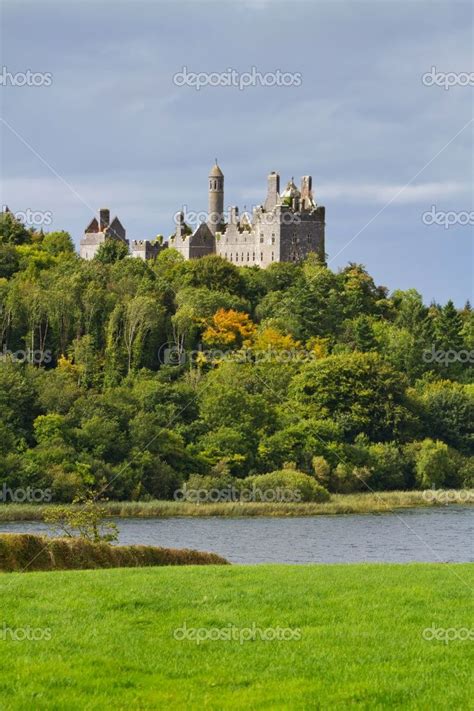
{"points": [[322, 471], [206, 488], [286, 485], [435, 464], [388, 466], [347, 479], [466, 472], [85, 519]]}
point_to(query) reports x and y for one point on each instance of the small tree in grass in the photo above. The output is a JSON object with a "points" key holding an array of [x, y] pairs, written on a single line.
{"points": [[86, 519]]}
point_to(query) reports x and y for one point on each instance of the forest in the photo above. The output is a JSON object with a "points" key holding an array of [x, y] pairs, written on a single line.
{"points": [[135, 377]]}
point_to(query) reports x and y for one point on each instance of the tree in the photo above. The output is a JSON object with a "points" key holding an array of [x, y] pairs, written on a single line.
{"points": [[359, 391], [86, 519], [215, 273], [448, 328], [229, 329], [58, 243], [111, 251], [448, 412], [140, 316], [435, 464], [12, 231], [9, 261]]}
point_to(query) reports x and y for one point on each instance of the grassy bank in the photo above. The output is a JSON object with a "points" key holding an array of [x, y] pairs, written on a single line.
{"points": [[25, 552], [107, 639], [380, 502]]}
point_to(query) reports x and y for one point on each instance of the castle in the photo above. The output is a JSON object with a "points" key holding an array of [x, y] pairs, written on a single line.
{"points": [[287, 227]]}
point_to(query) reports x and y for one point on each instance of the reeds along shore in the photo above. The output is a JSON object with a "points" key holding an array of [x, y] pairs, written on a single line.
{"points": [[25, 553], [371, 502]]}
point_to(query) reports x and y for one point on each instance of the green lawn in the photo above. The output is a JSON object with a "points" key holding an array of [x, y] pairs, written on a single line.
{"points": [[111, 640]]}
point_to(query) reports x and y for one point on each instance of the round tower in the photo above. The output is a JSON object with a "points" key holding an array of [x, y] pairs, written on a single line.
{"points": [[216, 199]]}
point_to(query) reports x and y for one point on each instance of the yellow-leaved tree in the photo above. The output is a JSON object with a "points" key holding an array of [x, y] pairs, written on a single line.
{"points": [[229, 329]]}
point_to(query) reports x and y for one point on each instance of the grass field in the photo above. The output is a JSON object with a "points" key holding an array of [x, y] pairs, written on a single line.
{"points": [[366, 502], [106, 639]]}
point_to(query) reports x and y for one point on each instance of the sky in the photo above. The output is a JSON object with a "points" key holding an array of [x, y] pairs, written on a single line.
{"points": [[110, 123]]}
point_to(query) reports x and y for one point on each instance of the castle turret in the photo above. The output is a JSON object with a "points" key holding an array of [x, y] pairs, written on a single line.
{"points": [[215, 219]]}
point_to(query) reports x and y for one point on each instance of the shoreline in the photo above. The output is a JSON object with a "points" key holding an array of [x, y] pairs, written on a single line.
{"points": [[380, 502]]}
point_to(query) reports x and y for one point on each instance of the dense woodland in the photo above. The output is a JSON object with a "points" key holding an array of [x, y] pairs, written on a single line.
{"points": [[134, 377]]}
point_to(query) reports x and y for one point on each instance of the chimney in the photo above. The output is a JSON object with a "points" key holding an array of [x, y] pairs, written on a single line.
{"points": [[273, 191], [306, 192], [234, 215], [104, 219]]}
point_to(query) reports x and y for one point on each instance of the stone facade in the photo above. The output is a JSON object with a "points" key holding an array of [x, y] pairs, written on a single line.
{"points": [[98, 230], [144, 249], [286, 228]]}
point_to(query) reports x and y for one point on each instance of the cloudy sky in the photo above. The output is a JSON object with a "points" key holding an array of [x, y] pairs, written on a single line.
{"points": [[112, 127]]}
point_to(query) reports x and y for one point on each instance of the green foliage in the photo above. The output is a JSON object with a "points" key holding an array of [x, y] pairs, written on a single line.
{"points": [[435, 464], [13, 231], [359, 391], [85, 519], [111, 251], [294, 363], [286, 485], [215, 273]]}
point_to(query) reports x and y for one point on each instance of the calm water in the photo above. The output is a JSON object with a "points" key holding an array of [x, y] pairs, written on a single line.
{"points": [[424, 535]]}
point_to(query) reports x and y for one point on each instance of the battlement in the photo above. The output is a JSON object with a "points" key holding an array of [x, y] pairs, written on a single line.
{"points": [[287, 227]]}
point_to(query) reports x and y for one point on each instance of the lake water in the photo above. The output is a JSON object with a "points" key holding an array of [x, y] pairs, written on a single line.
{"points": [[423, 535]]}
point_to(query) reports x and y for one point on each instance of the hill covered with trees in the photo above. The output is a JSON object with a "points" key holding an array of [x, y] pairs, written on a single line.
{"points": [[136, 376]]}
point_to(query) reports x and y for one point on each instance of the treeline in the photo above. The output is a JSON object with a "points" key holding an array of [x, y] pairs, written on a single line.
{"points": [[134, 376]]}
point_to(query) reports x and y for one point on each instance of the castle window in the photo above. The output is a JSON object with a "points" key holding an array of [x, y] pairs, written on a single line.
{"points": [[261, 256], [236, 256], [273, 240], [242, 256], [261, 239], [253, 257], [273, 257]]}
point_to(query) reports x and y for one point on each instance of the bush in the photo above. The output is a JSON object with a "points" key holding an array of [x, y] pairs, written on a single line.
{"points": [[466, 472], [207, 488], [347, 478], [435, 464], [286, 485], [322, 471], [388, 466]]}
